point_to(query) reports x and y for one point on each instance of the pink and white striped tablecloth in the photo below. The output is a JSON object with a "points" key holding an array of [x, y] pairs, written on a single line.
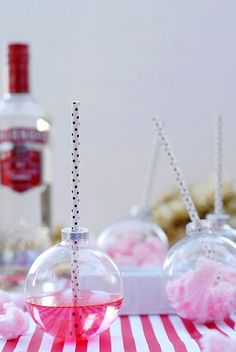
{"points": [[154, 333]]}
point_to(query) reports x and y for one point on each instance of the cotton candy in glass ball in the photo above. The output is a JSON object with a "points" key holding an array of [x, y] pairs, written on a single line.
{"points": [[201, 275], [220, 225], [134, 242], [49, 297]]}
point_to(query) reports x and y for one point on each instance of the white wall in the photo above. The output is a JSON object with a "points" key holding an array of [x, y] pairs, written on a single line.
{"points": [[125, 61]]}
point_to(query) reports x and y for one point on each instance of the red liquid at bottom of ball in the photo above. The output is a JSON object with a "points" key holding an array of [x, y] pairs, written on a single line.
{"points": [[58, 316]]}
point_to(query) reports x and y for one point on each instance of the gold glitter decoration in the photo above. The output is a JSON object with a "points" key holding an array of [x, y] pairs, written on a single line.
{"points": [[170, 212]]}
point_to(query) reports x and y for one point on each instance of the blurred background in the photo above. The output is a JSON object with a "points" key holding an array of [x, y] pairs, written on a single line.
{"points": [[127, 61]]}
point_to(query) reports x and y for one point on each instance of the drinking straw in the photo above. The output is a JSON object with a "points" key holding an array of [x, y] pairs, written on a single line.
{"points": [[75, 198], [177, 173], [218, 202], [150, 172]]}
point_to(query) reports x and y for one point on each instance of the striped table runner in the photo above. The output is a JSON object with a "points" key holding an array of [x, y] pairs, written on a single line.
{"points": [[154, 333]]}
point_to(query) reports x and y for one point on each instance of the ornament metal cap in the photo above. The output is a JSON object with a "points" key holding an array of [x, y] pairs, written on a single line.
{"points": [[68, 234], [199, 227]]}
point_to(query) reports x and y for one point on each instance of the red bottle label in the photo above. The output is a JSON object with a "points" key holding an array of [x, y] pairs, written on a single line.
{"points": [[20, 158]]}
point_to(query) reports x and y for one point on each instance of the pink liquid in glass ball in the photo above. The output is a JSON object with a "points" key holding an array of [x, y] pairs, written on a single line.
{"points": [[57, 316]]}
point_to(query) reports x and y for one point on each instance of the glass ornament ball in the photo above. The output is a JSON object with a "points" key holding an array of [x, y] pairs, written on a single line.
{"points": [[201, 275], [49, 297], [219, 223], [134, 242]]}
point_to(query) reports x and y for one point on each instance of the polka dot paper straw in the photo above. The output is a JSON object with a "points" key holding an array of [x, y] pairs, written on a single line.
{"points": [[150, 172], [177, 172], [75, 176], [218, 167], [75, 198]]}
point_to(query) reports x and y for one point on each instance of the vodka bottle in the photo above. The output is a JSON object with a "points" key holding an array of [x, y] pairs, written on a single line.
{"points": [[25, 174]]}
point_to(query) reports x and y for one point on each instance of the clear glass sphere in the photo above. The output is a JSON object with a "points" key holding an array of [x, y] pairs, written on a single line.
{"points": [[134, 242], [201, 275], [49, 289], [220, 225]]}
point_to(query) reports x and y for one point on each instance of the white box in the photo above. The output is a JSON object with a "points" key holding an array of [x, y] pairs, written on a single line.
{"points": [[144, 292]]}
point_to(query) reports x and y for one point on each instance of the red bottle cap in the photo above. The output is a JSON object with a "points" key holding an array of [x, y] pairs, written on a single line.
{"points": [[18, 58]]}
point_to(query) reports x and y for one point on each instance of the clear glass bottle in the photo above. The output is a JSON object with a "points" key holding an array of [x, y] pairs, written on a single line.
{"points": [[25, 174], [49, 291], [201, 275]]}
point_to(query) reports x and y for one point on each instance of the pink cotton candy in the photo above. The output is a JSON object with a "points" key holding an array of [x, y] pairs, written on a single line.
{"points": [[18, 299], [127, 242], [216, 342], [204, 294], [141, 252], [131, 250], [120, 244], [152, 260], [154, 243], [110, 249], [4, 298], [14, 322], [156, 247], [135, 241]]}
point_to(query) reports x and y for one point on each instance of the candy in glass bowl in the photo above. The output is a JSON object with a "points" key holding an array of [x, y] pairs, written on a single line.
{"points": [[201, 268], [133, 242], [201, 275]]}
